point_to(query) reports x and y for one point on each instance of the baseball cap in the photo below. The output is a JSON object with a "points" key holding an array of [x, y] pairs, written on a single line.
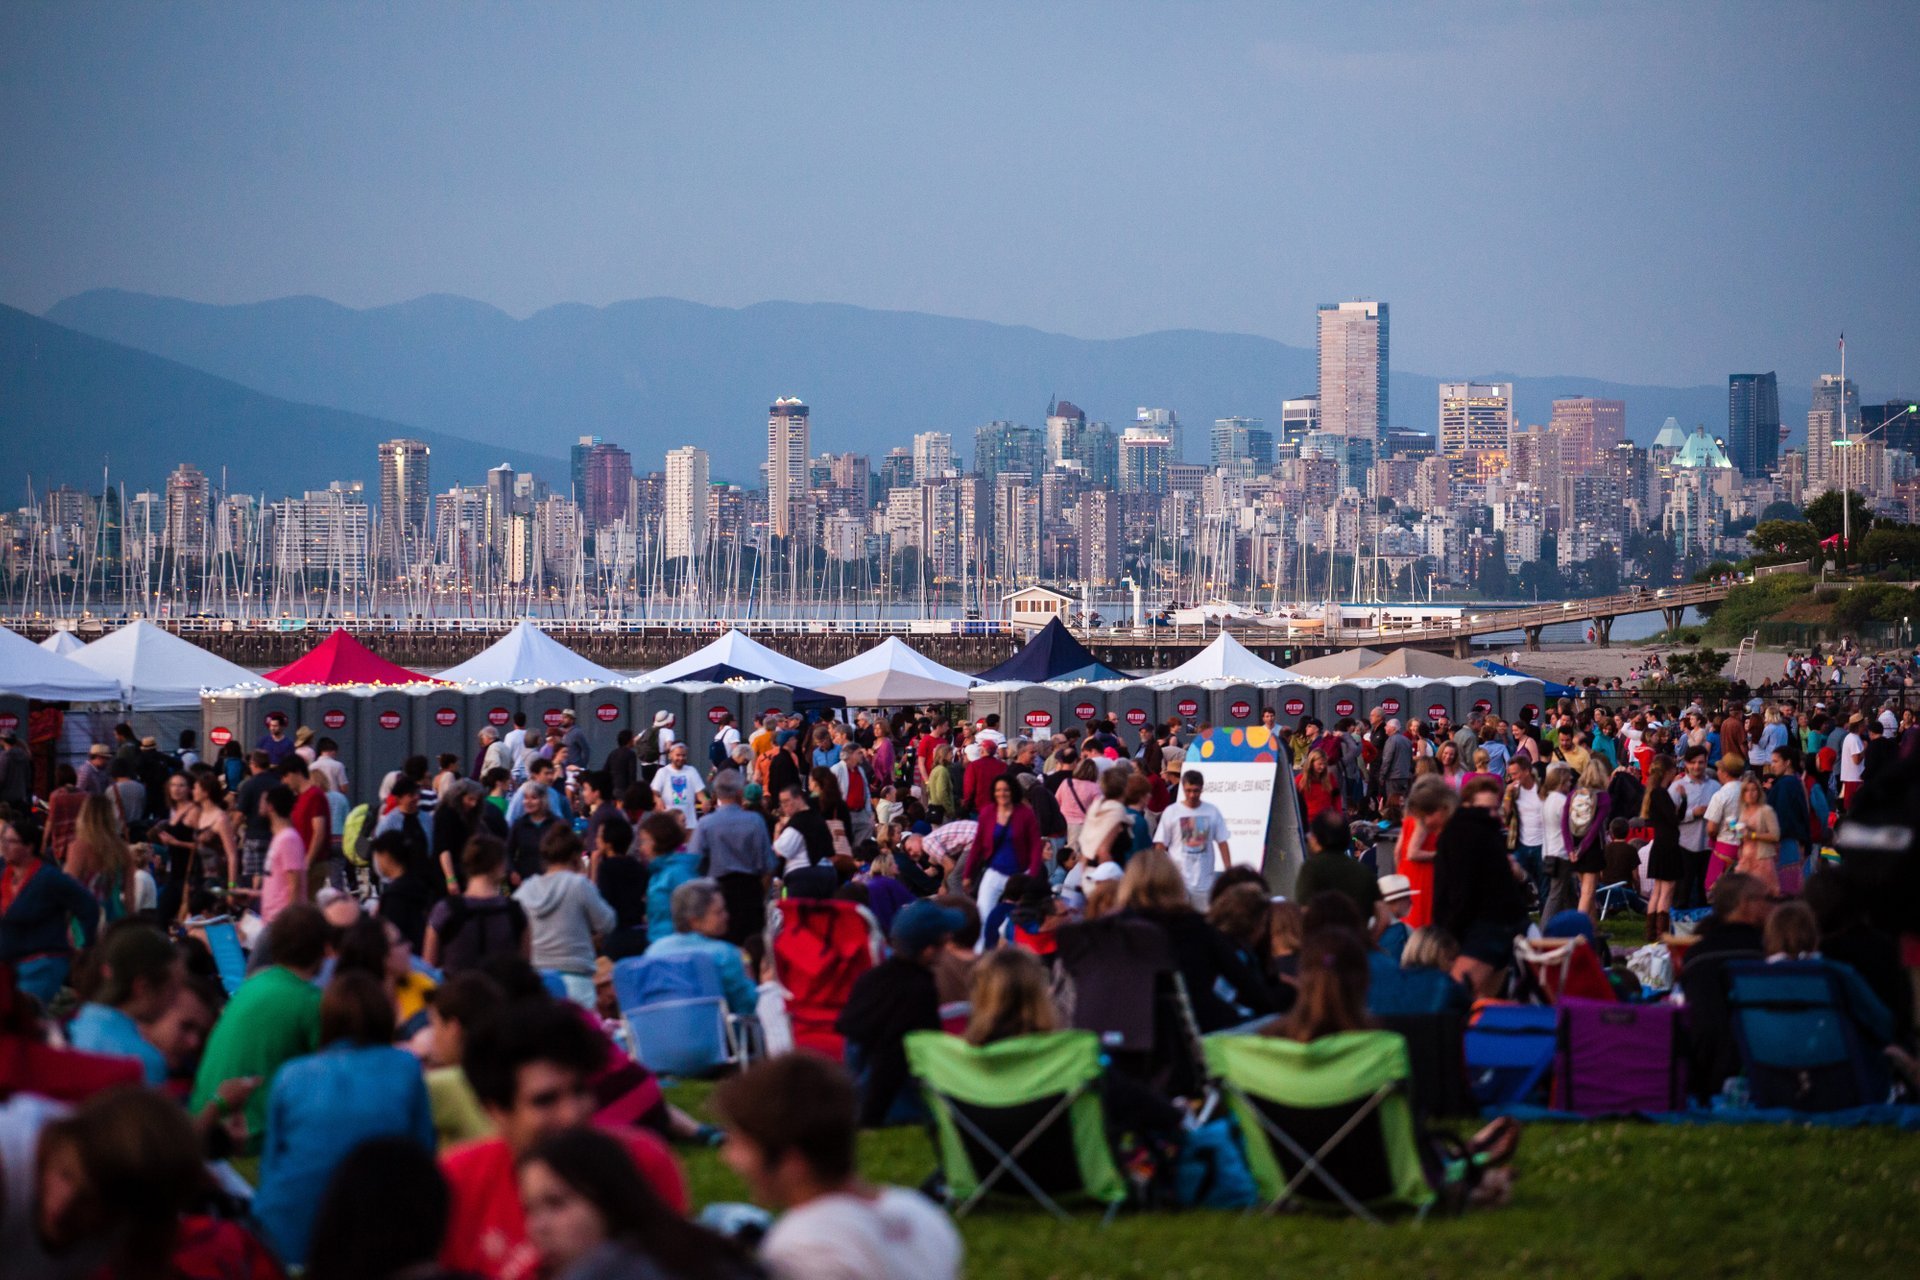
{"points": [[921, 925]]}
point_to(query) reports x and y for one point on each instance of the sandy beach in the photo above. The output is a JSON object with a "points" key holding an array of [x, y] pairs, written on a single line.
{"points": [[1573, 663]]}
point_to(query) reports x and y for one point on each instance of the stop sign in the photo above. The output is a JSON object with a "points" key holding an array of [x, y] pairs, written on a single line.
{"points": [[220, 736]]}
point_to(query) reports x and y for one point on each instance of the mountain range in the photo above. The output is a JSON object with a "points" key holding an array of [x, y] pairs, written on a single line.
{"points": [[655, 373], [71, 404]]}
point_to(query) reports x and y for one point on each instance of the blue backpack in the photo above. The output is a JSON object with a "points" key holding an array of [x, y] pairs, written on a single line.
{"points": [[1211, 1171]]}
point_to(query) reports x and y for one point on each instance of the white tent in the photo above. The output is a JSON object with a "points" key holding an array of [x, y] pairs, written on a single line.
{"points": [[1225, 659], [744, 656], [32, 672], [157, 670], [64, 643], [527, 653], [892, 674]]}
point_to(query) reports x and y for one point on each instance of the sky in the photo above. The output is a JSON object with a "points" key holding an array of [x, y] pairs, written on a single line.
{"points": [[1648, 192]]}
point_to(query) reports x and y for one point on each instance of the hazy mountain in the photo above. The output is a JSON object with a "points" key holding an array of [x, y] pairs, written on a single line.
{"points": [[70, 403], [656, 373]]}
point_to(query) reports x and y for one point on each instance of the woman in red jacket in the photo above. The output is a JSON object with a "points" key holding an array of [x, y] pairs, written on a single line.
{"points": [[1006, 843], [1319, 791]]}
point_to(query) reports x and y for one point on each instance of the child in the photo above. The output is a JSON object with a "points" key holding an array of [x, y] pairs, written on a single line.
{"points": [[1623, 859], [1397, 892]]}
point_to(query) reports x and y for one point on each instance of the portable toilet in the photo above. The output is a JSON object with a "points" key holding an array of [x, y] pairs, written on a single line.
{"points": [[1521, 698], [385, 740], [1338, 700], [761, 698], [545, 705], [707, 704], [1474, 693], [995, 699], [335, 714], [223, 718], [440, 726], [1432, 699], [601, 711], [1291, 700], [1388, 695], [1132, 705], [1081, 704], [1188, 703], [1035, 710], [265, 705], [648, 700], [1236, 703], [492, 707]]}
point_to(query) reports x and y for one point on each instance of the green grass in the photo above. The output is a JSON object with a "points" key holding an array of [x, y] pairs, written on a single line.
{"points": [[1590, 1200]]}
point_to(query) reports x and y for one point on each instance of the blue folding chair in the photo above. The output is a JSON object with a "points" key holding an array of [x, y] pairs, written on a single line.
{"points": [[1799, 1046], [228, 959], [676, 1016], [1509, 1051]]}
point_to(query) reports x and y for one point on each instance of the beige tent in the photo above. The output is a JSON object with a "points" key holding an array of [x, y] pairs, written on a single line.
{"points": [[1420, 664], [1337, 666]]}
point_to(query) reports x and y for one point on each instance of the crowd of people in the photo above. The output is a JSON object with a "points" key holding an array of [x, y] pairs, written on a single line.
{"points": [[428, 1017]]}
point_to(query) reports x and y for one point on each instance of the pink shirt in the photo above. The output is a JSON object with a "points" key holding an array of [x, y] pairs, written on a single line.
{"points": [[287, 852]]}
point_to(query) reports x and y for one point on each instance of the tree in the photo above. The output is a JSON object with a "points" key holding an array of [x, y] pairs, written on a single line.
{"points": [[1891, 544], [1492, 581], [1873, 602], [1823, 513], [1780, 509], [1603, 572], [1540, 579], [1791, 539]]}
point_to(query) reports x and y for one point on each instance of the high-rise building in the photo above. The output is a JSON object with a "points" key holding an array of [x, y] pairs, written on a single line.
{"points": [[1753, 422], [1298, 416], [322, 536], [577, 456], [501, 504], [1475, 417], [932, 456], [189, 500], [849, 486], [1897, 421], [1007, 446], [607, 477], [1164, 421], [688, 485], [1235, 446], [1588, 428], [1096, 455], [1833, 417], [1352, 344], [896, 470], [1145, 454], [787, 440], [404, 502], [1097, 531], [1065, 421]]}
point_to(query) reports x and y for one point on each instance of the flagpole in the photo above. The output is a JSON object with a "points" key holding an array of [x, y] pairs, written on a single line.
{"points": [[1846, 465]]}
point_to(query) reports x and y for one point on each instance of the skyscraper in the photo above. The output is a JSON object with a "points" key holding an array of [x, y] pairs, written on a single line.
{"points": [[1164, 421], [500, 508], [1065, 421], [932, 456], [1753, 422], [1352, 343], [607, 474], [1475, 417], [1145, 454], [1298, 416], [1242, 446], [577, 475], [1588, 429], [404, 500], [1834, 416], [688, 485], [1005, 447], [787, 440], [189, 499]]}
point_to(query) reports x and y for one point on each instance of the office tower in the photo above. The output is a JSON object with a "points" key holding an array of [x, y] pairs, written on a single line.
{"points": [[1007, 446], [1897, 421], [1475, 417], [1352, 343], [787, 439], [1065, 421], [323, 535], [1834, 417], [1163, 421], [403, 502], [607, 477], [1297, 417], [896, 470], [1097, 530], [1587, 428], [1230, 446], [685, 535], [1145, 453], [189, 499], [1096, 455], [932, 456], [849, 484], [577, 456], [501, 502], [1753, 422]]}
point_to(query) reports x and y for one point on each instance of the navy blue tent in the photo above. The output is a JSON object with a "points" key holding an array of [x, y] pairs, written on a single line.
{"points": [[1053, 655], [1552, 688], [806, 700]]}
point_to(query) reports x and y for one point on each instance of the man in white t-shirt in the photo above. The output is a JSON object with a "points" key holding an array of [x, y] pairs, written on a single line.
{"points": [[679, 786], [791, 1130], [1191, 829], [1853, 758]]}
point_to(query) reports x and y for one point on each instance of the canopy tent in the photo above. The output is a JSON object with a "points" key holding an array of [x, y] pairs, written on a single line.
{"points": [[891, 674], [32, 672], [1419, 664], [157, 670], [736, 655], [1053, 654], [340, 659], [1225, 659], [64, 643], [527, 653], [1551, 688], [1339, 665]]}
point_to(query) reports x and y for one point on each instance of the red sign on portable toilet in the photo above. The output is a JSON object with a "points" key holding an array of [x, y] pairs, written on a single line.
{"points": [[1187, 707], [552, 718], [716, 714], [1240, 710], [1344, 707], [1390, 705], [389, 719], [446, 717], [1085, 710], [1136, 716], [1482, 705], [497, 716], [1039, 719], [1437, 710], [333, 719], [1295, 707], [606, 713], [220, 736]]}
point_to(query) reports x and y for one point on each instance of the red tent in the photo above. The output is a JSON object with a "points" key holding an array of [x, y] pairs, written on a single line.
{"points": [[340, 659]]}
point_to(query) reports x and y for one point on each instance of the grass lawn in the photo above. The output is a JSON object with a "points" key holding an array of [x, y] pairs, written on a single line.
{"points": [[1593, 1201]]}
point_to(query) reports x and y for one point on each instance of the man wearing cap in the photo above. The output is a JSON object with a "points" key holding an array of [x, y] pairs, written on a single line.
{"points": [[894, 998], [1853, 759], [653, 745], [94, 775], [574, 739]]}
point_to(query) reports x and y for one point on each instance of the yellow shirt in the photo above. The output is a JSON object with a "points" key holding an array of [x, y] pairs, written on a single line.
{"points": [[410, 997]]}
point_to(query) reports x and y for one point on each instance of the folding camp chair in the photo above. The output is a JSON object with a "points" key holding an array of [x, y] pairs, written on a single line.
{"points": [[676, 1017], [1328, 1122], [820, 948], [1563, 967], [223, 940], [1799, 1047], [1614, 897], [1509, 1051], [1028, 1109]]}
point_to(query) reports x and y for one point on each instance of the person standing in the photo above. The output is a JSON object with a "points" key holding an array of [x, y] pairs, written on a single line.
{"points": [[1666, 860], [1853, 760], [734, 849], [40, 906], [574, 739], [1692, 792], [1006, 843], [1194, 832], [679, 786]]}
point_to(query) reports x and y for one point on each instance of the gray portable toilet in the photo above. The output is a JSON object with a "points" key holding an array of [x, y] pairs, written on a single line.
{"points": [[601, 711], [1431, 699], [648, 700], [1133, 707], [1236, 703], [1292, 702], [1388, 695], [1035, 710], [1188, 703], [1080, 705], [545, 705], [385, 740], [1474, 693], [1338, 700], [1521, 698], [706, 703], [223, 718], [270, 702], [492, 707], [440, 726], [760, 698], [995, 699], [335, 714]]}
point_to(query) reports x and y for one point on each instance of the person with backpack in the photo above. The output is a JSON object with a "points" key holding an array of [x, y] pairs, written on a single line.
{"points": [[1586, 830], [725, 738], [466, 928], [652, 745]]}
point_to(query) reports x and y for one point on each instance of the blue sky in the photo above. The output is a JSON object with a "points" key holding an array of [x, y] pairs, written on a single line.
{"points": [[1648, 192]]}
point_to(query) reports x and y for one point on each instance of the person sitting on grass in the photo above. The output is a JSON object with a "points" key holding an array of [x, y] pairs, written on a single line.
{"points": [[700, 928], [888, 1001]]}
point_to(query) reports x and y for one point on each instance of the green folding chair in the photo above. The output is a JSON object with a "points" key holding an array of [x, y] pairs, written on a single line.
{"points": [[1326, 1124], [1027, 1109]]}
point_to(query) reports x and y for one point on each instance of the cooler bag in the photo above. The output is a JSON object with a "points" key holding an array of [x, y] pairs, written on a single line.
{"points": [[1615, 1059]]}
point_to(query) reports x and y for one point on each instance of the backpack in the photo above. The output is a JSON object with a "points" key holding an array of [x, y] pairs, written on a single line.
{"points": [[1819, 812], [357, 834], [717, 750], [1581, 807], [1210, 1171]]}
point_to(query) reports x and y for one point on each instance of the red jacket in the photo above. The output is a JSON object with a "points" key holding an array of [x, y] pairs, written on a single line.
{"points": [[976, 787], [1032, 850]]}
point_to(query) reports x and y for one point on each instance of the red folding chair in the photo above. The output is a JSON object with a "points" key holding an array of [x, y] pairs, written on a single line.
{"points": [[820, 949]]}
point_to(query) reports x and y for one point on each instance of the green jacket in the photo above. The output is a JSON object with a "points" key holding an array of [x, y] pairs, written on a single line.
{"points": [[273, 1018]]}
